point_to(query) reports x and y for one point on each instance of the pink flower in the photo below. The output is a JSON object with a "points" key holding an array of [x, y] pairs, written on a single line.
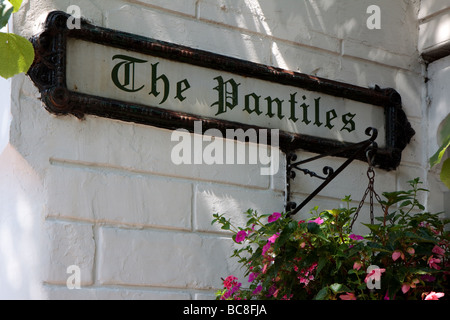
{"points": [[257, 290], [275, 294], [357, 265], [438, 250], [274, 217], [318, 220], [274, 237], [301, 221], [411, 250], [356, 237], [375, 274], [348, 296], [264, 270], [303, 280], [252, 276], [397, 254], [230, 282], [405, 287], [240, 236], [306, 275], [266, 247], [226, 295], [434, 295], [313, 266], [432, 262], [272, 290]]}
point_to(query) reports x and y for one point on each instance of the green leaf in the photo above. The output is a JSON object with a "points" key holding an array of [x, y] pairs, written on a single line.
{"points": [[322, 294], [437, 157], [445, 173], [338, 287], [322, 262], [313, 228], [6, 9], [16, 54], [372, 227], [445, 131], [405, 203], [16, 4], [285, 234]]}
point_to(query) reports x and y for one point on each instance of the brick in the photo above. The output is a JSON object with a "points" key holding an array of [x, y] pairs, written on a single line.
{"points": [[268, 18], [436, 199], [278, 180], [368, 74], [438, 95], [376, 54], [137, 148], [232, 202], [188, 32], [186, 7], [306, 60], [410, 87], [163, 259], [323, 203], [406, 173], [430, 7], [434, 32], [96, 194], [396, 20], [415, 151], [364, 73], [319, 24], [68, 244], [106, 293], [32, 18], [205, 296]]}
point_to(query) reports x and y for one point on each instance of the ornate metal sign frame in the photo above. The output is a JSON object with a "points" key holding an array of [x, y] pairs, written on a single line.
{"points": [[48, 72]]}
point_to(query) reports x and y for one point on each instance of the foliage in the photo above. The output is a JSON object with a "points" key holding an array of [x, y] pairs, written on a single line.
{"points": [[437, 157], [322, 259], [16, 52]]}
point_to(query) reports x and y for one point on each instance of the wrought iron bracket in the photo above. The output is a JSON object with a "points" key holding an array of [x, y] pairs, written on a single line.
{"points": [[355, 151]]}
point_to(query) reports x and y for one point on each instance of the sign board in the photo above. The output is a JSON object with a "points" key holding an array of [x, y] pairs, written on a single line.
{"points": [[108, 73]]}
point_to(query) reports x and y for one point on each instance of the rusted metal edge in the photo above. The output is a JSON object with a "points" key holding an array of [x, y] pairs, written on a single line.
{"points": [[48, 72]]}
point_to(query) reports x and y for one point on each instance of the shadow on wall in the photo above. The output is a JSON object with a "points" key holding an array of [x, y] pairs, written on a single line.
{"points": [[20, 219]]}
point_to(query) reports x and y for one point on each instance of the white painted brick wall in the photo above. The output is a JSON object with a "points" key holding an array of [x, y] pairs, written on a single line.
{"points": [[162, 259], [68, 244], [434, 29], [111, 200]]}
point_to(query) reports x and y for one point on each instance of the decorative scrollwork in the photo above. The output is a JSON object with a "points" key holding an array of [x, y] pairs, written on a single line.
{"points": [[369, 146]]}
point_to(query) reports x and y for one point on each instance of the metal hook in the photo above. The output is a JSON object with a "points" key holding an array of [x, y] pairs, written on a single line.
{"points": [[372, 149], [369, 159]]}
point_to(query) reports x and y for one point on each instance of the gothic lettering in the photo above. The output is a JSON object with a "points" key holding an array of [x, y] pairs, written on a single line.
{"points": [[125, 80], [228, 94]]}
